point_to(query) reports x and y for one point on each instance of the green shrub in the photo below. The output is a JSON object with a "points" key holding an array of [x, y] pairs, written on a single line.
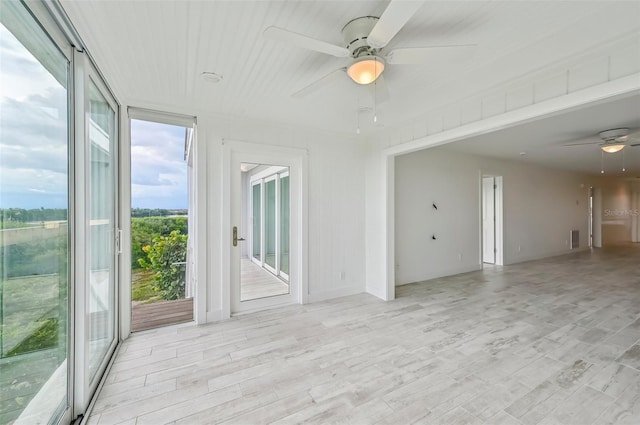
{"points": [[145, 229], [163, 255]]}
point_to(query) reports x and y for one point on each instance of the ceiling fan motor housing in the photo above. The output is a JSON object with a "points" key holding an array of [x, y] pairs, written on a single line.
{"points": [[355, 34]]}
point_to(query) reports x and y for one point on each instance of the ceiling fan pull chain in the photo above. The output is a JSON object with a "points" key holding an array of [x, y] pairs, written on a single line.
{"points": [[375, 92], [623, 169], [601, 162]]}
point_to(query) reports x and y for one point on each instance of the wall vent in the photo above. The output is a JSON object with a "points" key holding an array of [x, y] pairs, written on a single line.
{"points": [[575, 239]]}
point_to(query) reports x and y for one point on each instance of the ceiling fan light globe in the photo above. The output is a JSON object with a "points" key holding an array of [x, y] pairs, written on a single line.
{"points": [[612, 148], [366, 70]]}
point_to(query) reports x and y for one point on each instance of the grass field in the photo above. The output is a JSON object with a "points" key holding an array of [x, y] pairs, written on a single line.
{"points": [[142, 291], [32, 304]]}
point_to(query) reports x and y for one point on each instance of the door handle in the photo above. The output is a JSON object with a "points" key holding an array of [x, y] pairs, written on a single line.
{"points": [[235, 236]]}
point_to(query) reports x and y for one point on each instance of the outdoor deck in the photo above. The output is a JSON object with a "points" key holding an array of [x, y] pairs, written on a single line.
{"points": [[148, 316]]}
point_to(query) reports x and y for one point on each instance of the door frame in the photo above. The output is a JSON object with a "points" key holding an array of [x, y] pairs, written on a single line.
{"points": [[195, 220], [499, 219], [296, 159]]}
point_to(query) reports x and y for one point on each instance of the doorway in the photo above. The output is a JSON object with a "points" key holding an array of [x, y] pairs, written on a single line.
{"points": [[161, 285], [266, 212], [492, 220], [590, 217], [267, 227]]}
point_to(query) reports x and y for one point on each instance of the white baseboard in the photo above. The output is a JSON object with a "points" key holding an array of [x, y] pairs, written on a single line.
{"points": [[543, 256], [445, 273], [377, 292], [335, 293]]}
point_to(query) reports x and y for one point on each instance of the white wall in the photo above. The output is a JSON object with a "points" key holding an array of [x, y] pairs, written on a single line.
{"points": [[541, 207], [336, 185], [379, 250], [616, 210], [452, 183]]}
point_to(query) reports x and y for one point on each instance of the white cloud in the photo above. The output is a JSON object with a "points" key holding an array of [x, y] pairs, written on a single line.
{"points": [[158, 169], [33, 142], [34, 138]]}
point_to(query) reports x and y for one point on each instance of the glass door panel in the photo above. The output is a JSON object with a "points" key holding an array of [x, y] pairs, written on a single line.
{"points": [[270, 223], [284, 225], [256, 207], [264, 206], [101, 297], [34, 232]]}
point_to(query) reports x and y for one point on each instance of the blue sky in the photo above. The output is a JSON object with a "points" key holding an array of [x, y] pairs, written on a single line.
{"points": [[33, 142]]}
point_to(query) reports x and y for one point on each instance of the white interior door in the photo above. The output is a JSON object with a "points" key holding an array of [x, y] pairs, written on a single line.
{"points": [[257, 201], [488, 220]]}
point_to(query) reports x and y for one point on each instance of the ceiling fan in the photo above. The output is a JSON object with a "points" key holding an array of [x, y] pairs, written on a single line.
{"points": [[614, 140], [365, 39]]}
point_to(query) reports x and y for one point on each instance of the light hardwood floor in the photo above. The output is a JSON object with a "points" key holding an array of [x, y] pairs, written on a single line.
{"points": [[256, 282], [554, 341]]}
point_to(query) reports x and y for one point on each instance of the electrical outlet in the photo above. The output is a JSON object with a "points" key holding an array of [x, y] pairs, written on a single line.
{"points": [[519, 248], [343, 275], [459, 256]]}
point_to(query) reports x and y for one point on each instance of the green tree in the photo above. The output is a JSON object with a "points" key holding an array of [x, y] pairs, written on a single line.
{"points": [[145, 230], [164, 257]]}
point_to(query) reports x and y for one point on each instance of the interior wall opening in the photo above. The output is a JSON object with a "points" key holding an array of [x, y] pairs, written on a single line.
{"points": [[590, 224], [162, 284], [491, 208]]}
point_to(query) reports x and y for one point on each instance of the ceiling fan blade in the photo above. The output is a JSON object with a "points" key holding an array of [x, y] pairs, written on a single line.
{"points": [[379, 90], [318, 84], [417, 55], [392, 20], [581, 144], [279, 34]]}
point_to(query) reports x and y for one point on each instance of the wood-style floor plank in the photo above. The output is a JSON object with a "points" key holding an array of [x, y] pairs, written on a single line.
{"points": [[555, 341]]}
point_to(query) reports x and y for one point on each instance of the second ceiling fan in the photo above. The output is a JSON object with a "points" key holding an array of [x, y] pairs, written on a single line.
{"points": [[365, 39]]}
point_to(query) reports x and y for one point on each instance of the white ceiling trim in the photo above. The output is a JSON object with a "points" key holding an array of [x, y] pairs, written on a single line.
{"points": [[616, 61], [622, 87]]}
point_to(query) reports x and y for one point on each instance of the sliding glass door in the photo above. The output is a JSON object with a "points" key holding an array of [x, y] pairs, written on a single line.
{"points": [[34, 232], [269, 223], [100, 303], [256, 225], [58, 221], [96, 231], [283, 252], [270, 220]]}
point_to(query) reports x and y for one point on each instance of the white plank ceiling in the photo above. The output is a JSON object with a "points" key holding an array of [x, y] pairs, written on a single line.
{"points": [[153, 52]]}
